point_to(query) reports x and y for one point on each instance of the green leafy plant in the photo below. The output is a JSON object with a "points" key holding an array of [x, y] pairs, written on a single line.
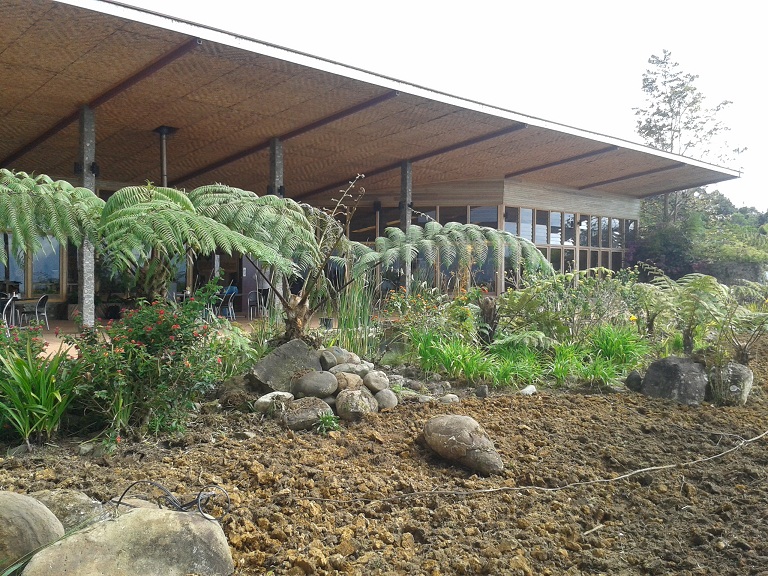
{"points": [[326, 423], [35, 391]]}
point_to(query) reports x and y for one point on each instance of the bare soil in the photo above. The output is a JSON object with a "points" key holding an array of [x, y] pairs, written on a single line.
{"points": [[594, 483]]}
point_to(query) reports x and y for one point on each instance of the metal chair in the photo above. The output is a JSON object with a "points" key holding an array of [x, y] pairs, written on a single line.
{"points": [[227, 307], [6, 318], [253, 304], [40, 310]]}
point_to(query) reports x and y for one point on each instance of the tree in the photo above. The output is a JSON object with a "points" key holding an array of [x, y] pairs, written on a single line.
{"points": [[675, 119]]}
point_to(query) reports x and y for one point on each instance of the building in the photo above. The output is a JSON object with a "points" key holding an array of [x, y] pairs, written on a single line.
{"points": [[109, 95]]}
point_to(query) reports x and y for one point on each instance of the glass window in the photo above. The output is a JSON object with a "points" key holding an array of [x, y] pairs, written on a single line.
{"points": [[605, 233], [555, 258], [12, 275], [485, 275], [617, 233], [526, 223], [569, 229], [605, 259], [511, 220], [630, 231], [569, 260], [556, 228], [484, 216], [594, 232], [453, 214], [583, 259], [594, 258], [46, 271], [542, 227], [616, 261], [583, 229]]}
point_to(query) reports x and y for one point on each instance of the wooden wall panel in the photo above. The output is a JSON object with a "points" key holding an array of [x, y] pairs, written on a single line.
{"points": [[549, 198]]}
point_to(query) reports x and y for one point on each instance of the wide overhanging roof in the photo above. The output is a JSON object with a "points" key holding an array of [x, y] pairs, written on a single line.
{"points": [[229, 95]]}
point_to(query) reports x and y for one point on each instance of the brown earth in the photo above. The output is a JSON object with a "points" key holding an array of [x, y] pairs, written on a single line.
{"points": [[371, 499]]}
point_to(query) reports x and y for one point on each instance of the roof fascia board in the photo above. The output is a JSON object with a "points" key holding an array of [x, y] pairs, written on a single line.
{"points": [[258, 47]]}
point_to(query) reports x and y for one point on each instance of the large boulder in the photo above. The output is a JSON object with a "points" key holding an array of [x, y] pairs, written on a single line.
{"points": [[674, 378], [317, 384], [303, 414], [272, 404], [74, 509], [386, 399], [150, 542], [278, 369], [25, 525], [730, 385], [359, 369], [461, 439], [353, 404]]}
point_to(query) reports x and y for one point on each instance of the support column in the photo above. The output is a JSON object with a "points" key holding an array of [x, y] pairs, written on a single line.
{"points": [[86, 270], [406, 209], [276, 184]]}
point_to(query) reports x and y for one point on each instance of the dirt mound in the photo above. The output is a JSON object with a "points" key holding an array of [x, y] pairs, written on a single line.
{"points": [[372, 499]]}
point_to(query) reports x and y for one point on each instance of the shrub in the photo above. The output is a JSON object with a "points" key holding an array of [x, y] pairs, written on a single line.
{"points": [[145, 369]]}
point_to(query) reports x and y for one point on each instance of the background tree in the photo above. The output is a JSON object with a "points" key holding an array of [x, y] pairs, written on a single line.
{"points": [[675, 119]]}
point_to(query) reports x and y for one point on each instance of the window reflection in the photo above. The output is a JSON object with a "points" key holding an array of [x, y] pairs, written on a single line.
{"points": [[46, 269]]}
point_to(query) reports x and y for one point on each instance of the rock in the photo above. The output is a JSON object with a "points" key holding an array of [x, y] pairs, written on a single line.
{"points": [[234, 394], [352, 405], [482, 391], [272, 403], [243, 435], [634, 381], [348, 381], [343, 356], [358, 369], [376, 381], [529, 390], [674, 378], [461, 439], [317, 384], [330, 400], [730, 385], [278, 368], [74, 509], [25, 525], [448, 399], [303, 414], [150, 542], [386, 399], [327, 359]]}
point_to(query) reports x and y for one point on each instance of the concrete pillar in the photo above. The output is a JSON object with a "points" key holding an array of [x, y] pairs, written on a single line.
{"points": [[406, 209], [86, 270], [276, 184]]}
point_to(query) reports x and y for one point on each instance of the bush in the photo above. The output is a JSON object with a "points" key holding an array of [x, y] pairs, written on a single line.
{"points": [[145, 370]]}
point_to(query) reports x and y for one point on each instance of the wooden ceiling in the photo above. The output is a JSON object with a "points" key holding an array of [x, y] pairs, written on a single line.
{"points": [[228, 96]]}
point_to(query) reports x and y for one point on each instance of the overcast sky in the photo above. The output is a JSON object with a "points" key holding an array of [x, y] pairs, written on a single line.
{"points": [[576, 63]]}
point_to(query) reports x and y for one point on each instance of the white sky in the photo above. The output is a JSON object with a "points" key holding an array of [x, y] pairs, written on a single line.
{"points": [[576, 63]]}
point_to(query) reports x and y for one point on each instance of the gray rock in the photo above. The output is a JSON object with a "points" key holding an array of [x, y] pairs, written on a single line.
{"points": [[343, 356], [358, 369], [448, 399], [730, 385], [461, 439], [367, 364], [376, 381], [347, 381], [25, 525], [150, 542], [330, 400], [74, 509], [327, 359], [674, 378], [634, 381], [278, 368], [317, 384], [529, 390], [272, 403], [386, 399], [352, 405], [303, 414], [424, 399]]}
